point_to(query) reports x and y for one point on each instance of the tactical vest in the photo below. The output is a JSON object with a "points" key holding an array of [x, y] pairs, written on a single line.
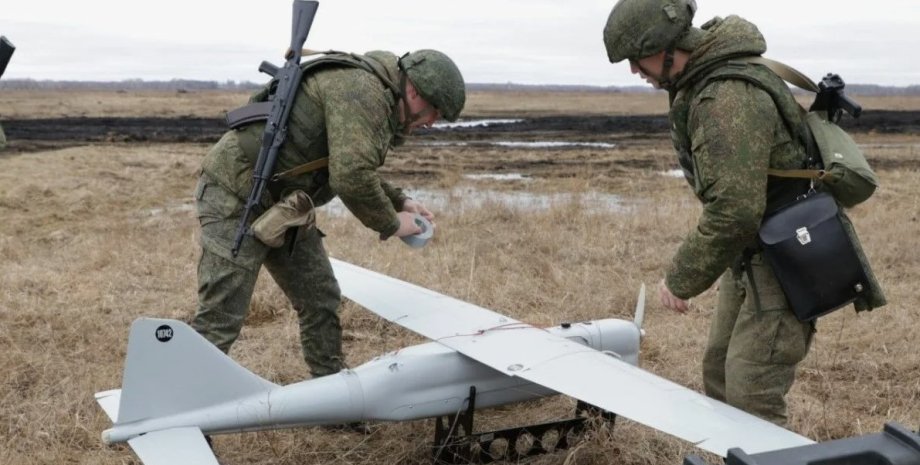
{"points": [[259, 107], [780, 191]]}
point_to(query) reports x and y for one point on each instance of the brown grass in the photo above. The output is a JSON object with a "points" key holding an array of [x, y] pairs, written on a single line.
{"points": [[93, 237], [20, 104]]}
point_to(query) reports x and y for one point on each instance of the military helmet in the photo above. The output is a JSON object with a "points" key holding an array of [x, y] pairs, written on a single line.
{"points": [[437, 79], [640, 28]]}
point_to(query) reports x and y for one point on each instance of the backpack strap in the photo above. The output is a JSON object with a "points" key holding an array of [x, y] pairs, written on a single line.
{"points": [[786, 72]]}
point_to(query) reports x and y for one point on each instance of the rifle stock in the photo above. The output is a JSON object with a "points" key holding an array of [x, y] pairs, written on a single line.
{"points": [[304, 12], [288, 79]]}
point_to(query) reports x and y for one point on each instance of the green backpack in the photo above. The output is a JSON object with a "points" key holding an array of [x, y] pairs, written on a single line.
{"points": [[844, 173]]}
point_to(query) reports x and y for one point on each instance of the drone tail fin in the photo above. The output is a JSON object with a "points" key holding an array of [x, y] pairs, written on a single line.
{"points": [[170, 368]]}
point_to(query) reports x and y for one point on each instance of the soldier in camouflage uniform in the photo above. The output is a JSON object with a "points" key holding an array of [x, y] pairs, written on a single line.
{"points": [[727, 132], [350, 108]]}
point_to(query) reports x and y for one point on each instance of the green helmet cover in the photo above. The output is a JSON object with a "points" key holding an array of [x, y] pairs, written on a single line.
{"points": [[437, 79], [640, 28]]}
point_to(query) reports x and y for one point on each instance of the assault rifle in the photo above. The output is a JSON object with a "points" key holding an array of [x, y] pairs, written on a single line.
{"points": [[281, 99], [831, 98], [6, 52]]}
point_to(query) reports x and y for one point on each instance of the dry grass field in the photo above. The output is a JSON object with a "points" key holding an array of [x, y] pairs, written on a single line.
{"points": [[95, 236], [21, 104]]}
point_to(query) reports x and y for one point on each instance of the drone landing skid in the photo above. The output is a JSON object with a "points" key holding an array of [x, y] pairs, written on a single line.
{"points": [[456, 443]]}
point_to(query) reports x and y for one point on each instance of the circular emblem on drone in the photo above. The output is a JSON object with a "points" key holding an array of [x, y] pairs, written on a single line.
{"points": [[164, 333]]}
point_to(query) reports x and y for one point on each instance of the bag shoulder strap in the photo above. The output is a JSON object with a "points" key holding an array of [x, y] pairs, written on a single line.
{"points": [[786, 72]]}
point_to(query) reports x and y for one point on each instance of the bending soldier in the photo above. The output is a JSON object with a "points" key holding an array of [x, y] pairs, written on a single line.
{"points": [[352, 109], [728, 132]]}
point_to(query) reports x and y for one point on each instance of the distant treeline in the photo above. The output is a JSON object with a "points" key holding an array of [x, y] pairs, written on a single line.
{"points": [[179, 85], [185, 85]]}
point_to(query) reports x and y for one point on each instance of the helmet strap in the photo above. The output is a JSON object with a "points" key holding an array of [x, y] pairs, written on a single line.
{"points": [[403, 96], [409, 118], [665, 80]]}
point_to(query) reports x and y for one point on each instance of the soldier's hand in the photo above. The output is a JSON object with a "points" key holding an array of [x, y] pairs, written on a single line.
{"points": [[670, 301], [407, 226], [414, 206]]}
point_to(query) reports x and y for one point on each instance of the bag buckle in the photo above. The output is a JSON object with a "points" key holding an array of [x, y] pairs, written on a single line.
{"points": [[803, 236]]}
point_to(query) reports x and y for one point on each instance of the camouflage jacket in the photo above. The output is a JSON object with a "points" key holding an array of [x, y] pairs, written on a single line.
{"points": [[343, 112], [732, 120], [728, 132]]}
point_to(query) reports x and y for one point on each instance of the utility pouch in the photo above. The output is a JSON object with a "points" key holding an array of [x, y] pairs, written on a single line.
{"points": [[294, 210], [846, 175], [812, 256]]}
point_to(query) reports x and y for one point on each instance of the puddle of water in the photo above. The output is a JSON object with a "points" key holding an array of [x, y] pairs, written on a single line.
{"points": [[886, 146], [461, 199], [519, 144], [498, 177], [553, 144], [673, 173], [438, 143], [474, 123], [181, 208]]}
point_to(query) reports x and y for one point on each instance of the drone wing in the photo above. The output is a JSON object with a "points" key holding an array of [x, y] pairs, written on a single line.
{"points": [[518, 349]]}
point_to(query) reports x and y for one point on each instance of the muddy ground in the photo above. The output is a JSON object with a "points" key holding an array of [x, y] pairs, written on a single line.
{"points": [[584, 128], [602, 143]]}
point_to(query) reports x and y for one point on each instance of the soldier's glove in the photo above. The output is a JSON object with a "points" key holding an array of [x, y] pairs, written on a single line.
{"points": [[293, 211]]}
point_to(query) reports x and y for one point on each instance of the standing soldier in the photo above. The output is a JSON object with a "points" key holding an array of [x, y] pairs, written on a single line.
{"points": [[350, 108], [729, 125]]}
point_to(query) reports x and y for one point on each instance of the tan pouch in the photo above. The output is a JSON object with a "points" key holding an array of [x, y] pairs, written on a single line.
{"points": [[294, 210]]}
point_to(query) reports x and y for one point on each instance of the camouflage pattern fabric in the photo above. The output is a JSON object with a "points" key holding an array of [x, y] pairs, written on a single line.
{"points": [[345, 113], [751, 355], [728, 133], [438, 80], [765, 126], [2, 139], [225, 283], [639, 28]]}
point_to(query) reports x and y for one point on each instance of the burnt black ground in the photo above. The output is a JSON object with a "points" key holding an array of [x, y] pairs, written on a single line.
{"points": [[33, 134]]}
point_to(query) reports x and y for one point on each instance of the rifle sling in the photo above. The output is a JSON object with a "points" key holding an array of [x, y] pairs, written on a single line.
{"points": [[301, 169]]}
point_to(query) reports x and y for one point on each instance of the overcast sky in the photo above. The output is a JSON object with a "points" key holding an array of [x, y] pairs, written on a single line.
{"points": [[520, 41]]}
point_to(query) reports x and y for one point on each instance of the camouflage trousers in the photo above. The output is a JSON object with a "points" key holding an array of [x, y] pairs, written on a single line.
{"points": [[752, 354], [226, 283]]}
